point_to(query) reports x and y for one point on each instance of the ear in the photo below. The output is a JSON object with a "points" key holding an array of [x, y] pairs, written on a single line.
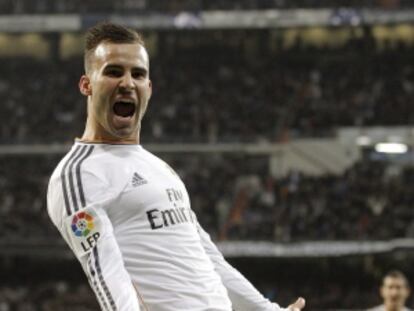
{"points": [[381, 292], [150, 88], [85, 85]]}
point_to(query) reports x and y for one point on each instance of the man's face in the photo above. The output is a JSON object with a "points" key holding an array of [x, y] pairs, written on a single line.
{"points": [[118, 89], [395, 292]]}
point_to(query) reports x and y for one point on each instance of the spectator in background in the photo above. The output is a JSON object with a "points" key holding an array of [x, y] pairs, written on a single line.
{"points": [[394, 291]]}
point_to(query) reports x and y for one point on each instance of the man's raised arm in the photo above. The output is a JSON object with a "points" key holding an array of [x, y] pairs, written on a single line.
{"points": [[243, 295]]}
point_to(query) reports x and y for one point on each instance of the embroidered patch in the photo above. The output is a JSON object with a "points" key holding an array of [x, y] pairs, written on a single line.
{"points": [[82, 224], [84, 230]]}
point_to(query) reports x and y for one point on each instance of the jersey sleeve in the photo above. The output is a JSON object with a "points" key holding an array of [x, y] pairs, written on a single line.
{"points": [[89, 233], [243, 295]]}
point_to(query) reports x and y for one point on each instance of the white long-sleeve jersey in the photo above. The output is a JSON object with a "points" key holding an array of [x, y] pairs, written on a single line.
{"points": [[126, 215]]}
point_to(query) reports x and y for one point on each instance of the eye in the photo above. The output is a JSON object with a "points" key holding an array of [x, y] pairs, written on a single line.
{"points": [[138, 74], [113, 72]]}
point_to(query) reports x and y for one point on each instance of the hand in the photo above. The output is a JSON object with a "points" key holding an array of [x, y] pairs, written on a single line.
{"points": [[298, 305]]}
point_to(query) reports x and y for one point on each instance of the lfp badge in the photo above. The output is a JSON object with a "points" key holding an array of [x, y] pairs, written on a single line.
{"points": [[85, 227], [82, 224]]}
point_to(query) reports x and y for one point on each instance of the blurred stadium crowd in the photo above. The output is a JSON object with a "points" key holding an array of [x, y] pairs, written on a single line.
{"points": [[44, 292], [299, 92], [235, 198], [136, 6], [75, 297], [62, 296]]}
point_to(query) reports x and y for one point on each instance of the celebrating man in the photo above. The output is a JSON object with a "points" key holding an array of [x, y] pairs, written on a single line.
{"points": [[124, 212]]}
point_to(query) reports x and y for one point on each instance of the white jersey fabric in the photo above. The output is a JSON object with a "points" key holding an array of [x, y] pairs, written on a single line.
{"points": [[126, 215]]}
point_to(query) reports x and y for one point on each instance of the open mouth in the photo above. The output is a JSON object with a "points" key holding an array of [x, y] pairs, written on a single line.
{"points": [[124, 109]]}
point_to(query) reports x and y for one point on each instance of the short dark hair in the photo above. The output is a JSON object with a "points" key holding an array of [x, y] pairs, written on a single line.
{"points": [[396, 274], [108, 32]]}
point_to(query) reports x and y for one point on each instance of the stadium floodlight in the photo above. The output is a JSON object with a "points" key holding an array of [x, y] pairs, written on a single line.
{"points": [[394, 148]]}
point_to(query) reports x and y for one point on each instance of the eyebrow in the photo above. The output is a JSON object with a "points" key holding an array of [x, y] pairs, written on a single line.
{"points": [[117, 66]]}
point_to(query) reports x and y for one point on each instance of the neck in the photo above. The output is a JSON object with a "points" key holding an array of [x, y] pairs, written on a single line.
{"points": [[393, 307], [95, 133]]}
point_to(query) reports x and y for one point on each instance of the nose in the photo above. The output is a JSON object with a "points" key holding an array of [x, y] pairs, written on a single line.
{"points": [[127, 82]]}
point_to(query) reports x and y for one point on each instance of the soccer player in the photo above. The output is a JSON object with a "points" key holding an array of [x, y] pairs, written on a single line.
{"points": [[124, 212], [394, 291]]}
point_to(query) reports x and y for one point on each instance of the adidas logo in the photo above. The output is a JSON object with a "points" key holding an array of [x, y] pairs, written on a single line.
{"points": [[137, 180]]}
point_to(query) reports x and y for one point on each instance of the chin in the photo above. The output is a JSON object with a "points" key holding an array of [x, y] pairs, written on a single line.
{"points": [[123, 133]]}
